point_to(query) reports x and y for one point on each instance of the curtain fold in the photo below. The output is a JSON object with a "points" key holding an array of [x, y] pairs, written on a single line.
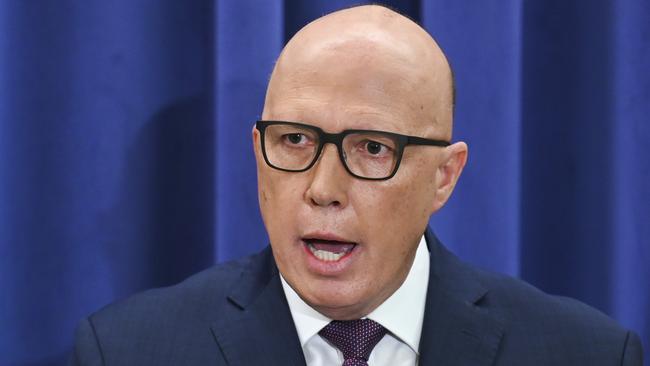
{"points": [[483, 44], [630, 175], [126, 159], [249, 38]]}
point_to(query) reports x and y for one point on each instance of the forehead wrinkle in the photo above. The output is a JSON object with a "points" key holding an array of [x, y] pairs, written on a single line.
{"points": [[370, 68]]}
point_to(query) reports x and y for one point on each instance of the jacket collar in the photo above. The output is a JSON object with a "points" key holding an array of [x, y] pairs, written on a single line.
{"points": [[456, 330], [256, 327]]}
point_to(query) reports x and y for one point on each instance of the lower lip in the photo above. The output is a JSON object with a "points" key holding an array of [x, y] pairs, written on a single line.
{"points": [[329, 268]]}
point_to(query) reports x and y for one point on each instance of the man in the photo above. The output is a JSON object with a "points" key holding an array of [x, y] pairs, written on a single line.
{"points": [[353, 157]]}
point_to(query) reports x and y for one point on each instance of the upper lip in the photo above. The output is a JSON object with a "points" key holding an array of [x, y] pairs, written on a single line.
{"points": [[326, 236]]}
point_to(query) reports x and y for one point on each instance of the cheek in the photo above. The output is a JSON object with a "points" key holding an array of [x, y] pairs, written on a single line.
{"points": [[398, 209], [420, 191], [279, 195], [274, 186]]}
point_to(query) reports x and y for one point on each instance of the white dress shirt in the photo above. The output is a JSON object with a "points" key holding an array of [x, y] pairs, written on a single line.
{"points": [[402, 314]]}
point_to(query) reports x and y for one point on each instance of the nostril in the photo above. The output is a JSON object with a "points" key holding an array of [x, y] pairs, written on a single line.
{"points": [[332, 203]]}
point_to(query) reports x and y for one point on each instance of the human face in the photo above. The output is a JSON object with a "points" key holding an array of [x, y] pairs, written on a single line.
{"points": [[376, 225]]}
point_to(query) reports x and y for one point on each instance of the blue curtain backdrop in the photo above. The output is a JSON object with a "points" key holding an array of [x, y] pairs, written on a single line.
{"points": [[126, 161]]}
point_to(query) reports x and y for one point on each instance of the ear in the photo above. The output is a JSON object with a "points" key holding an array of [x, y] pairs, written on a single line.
{"points": [[449, 169], [255, 135]]}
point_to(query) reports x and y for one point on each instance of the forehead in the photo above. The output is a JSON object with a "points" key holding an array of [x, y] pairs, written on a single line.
{"points": [[353, 84]]}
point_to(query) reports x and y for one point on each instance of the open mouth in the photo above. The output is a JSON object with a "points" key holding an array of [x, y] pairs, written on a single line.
{"points": [[329, 250]]}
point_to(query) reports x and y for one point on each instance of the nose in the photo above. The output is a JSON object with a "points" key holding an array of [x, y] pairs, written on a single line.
{"points": [[329, 184]]}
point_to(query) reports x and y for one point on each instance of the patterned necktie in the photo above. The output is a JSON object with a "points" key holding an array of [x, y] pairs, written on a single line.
{"points": [[355, 338]]}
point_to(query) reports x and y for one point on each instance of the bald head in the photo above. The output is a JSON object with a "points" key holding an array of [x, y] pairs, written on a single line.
{"points": [[361, 55]]}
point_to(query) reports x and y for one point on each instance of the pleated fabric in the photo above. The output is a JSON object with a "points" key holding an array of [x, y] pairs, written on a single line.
{"points": [[126, 159]]}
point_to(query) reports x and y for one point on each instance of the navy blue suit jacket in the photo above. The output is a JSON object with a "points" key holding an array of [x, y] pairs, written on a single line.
{"points": [[236, 314]]}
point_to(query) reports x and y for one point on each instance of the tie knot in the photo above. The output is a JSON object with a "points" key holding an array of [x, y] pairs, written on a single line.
{"points": [[355, 338]]}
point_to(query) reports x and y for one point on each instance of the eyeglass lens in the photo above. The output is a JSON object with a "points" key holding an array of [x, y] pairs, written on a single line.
{"points": [[367, 154]]}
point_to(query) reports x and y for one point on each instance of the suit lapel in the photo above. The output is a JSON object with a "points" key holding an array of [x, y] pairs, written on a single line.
{"points": [[456, 330], [256, 327]]}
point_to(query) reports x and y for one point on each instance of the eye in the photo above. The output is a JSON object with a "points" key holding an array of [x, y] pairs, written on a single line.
{"points": [[375, 148], [295, 138]]}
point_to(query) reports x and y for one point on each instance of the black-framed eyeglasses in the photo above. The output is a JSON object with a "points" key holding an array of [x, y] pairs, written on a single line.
{"points": [[365, 154]]}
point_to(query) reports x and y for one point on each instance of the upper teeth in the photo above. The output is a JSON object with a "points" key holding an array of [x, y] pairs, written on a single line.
{"points": [[325, 255]]}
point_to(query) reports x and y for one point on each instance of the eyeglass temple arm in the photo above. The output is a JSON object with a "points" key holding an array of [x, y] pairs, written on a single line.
{"points": [[414, 140]]}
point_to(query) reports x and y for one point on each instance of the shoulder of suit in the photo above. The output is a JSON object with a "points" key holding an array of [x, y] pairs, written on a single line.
{"points": [[524, 307], [168, 325], [196, 299]]}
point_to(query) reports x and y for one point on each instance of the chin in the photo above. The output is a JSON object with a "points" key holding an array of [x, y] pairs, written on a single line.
{"points": [[336, 305], [341, 311]]}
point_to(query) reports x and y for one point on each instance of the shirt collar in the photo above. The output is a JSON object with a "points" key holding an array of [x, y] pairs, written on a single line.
{"points": [[402, 313]]}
